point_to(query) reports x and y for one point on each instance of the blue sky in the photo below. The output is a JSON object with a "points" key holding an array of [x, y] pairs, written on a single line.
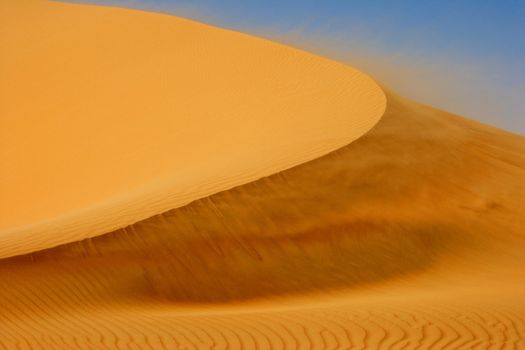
{"points": [[465, 56]]}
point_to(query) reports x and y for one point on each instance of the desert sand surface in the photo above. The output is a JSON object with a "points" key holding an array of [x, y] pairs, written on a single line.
{"points": [[410, 237], [110, 116]]}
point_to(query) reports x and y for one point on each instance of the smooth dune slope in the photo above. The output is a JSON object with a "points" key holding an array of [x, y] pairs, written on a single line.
{"points": [[109, 116], [411, 237]]}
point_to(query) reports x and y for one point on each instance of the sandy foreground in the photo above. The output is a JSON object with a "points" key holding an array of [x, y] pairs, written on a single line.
{"points": [[324, 212]]}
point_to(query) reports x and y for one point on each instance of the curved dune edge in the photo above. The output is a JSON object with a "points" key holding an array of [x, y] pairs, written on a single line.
{"points": [[411, 237], [110, 106]]}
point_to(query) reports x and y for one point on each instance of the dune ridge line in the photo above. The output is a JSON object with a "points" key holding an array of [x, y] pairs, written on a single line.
{"points": [[128, 114]]}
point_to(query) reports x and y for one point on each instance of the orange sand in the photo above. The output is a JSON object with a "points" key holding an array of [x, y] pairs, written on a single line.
{"points": [[110, 116], [411, 237]]}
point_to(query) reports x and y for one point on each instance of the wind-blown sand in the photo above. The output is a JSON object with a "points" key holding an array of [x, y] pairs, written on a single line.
{"points": [[410, 237]]}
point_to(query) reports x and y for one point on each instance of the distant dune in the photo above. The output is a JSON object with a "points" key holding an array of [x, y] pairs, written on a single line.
{"points": [[410, 237]]}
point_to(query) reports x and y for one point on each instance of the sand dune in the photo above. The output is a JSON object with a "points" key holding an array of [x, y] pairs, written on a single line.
{"points": [[110, 116], [410, 237]]}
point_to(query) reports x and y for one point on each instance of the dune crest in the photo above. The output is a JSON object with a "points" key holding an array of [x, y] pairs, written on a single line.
{"points": [[110, 116]]}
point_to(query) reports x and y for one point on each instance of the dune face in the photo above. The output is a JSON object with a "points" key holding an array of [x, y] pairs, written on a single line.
{"points": [[409, 237], [110, 116]]}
